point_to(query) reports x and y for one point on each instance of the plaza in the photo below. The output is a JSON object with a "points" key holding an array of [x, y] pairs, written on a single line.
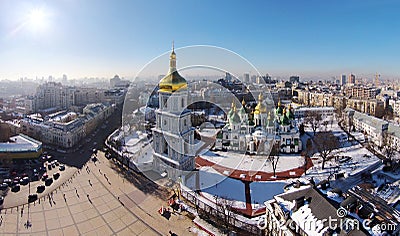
{"points": [[94, 200]]}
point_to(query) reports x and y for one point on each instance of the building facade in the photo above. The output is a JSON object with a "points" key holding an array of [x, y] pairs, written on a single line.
{"points": [[173, 135]]}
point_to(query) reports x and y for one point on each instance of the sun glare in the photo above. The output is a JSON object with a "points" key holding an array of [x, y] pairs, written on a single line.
{"points": [[38, 19]]}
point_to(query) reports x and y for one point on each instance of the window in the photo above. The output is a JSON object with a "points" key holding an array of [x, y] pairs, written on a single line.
{"points": [[183, 102], [184, 122]]}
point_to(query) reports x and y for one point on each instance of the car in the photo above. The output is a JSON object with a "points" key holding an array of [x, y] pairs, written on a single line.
{"points": [[53, 165], [57, 163], [44, 176], [15, 188], [3, 186], [17, 178], [32, 197], [24, 175], [8, 181], [56, 176], [49, 166], [61, 168], [35, 177], [40, 188], [48, 181], [1, 200], [24, 181]]}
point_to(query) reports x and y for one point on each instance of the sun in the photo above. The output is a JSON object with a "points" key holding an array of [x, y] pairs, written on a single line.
{"points": [[38, 19]]}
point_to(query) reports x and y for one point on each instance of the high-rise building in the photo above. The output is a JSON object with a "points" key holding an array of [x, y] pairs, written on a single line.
{"points": [[294, 79], [173, 136], [352, 79], [246, 78], [343, 79]]}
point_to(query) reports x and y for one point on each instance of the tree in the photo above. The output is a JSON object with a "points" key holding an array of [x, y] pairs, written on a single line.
{"points": [[388, 150], [224, 209], [274, 157], [314, 119], [325, 144], [307, 153]]}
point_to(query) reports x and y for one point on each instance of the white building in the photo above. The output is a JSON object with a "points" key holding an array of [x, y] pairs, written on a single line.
{"points": [[173, 135], [325, 112]]}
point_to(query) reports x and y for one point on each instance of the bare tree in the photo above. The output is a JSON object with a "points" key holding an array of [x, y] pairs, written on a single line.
{"points": [[313, 119], [274, 157], [225, 210], [307, 154], [388, 150], [325, 144]]}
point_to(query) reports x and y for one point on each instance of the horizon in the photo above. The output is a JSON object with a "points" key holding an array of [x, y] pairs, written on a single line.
{"points": [[101, 39]]}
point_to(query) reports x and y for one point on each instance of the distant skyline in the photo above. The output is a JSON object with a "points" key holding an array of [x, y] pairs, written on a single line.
{"points": [[98, 38]]}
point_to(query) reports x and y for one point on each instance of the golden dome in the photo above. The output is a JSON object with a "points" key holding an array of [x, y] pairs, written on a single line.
{"points": [[173, 81], [260, 108]]}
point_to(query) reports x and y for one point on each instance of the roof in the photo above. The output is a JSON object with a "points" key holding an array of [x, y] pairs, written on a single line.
{"points": [[20, 143], [370, 120], [394, 130], [172, 82], [316, 207]]}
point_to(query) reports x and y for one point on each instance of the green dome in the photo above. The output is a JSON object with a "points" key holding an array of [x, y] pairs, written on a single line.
{"points": [[235, 118], [285, 120]]}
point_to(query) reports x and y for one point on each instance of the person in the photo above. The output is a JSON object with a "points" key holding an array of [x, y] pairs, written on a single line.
{"points": [[172, 233]]}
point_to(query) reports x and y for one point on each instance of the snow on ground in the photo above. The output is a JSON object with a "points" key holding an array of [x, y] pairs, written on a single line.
{"points": [[214, 184], [360, 159], [239, 161]]}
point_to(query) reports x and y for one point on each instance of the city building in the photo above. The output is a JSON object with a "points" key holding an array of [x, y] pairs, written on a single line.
{"points": [[173, 134], [306, 211], [118, 82], [325, 112], [65, 129], [343, 80], [371, 126], [372, 107], [19, 147], [294, 79], [351, 79]]}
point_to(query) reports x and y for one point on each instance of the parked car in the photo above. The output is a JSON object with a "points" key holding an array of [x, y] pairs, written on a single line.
{"points": [[62, 167], [35, 177], [24, 181], [32, 197], [3, 186], [1, 200], [15, 188], [40, 188], [44, 176], [56, 176], [48, 181], [8, 181]]}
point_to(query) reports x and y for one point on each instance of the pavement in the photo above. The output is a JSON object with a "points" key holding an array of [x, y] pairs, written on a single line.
{"points": [[93, 200]]}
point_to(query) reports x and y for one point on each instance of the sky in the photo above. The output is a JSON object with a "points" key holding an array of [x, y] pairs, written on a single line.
{"points": [[100, 38]]}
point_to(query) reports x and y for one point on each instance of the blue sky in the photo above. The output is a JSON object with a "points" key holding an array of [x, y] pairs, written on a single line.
{"points": [[98, 38]]}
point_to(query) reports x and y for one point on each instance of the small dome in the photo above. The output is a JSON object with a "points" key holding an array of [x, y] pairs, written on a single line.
{"points": [[261, 107]]}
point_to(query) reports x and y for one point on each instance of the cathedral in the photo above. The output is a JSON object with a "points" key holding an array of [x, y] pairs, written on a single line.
{"points": [[258, 133], [173, 134]]}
